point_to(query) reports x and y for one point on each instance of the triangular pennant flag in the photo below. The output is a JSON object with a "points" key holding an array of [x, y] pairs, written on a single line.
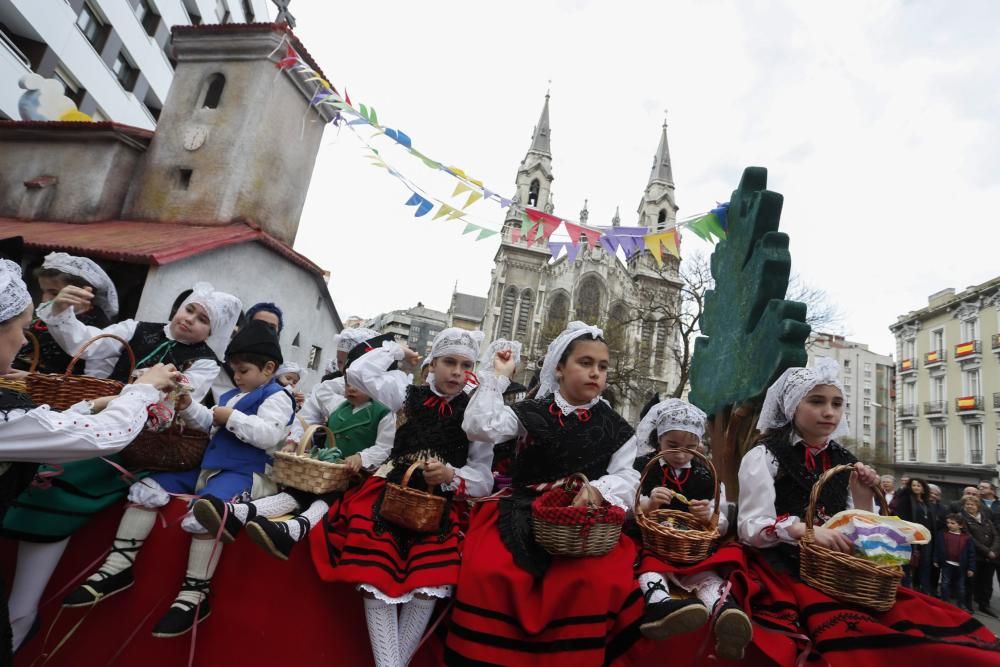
{"points": [[487, 193], [549, 227], [526, 225], [289, 60], [575, 231], [363, 110], [609, 242], [423, 206], [372, 118], [722, 213], [700, 228], [515, 234], [505, 203], [398, 136], [443, 211], [486, 233], [455, 171], [433, 164], [473, 198], [653, 246], [455, 214], [556, 248], [533, 232], [469, 227], [460, 188], [713, 226], [347, 98], [672, 242], [571, 250]]}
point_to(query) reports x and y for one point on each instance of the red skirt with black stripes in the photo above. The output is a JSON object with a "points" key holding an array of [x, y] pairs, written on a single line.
{"points": [[351, 546], [792, 619], [584, 611]]}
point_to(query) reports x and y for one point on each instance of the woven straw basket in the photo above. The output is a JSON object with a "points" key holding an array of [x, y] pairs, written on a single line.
{"points": [[413, 509], [687, 540], [21, 386], [563, 530], [843, 576], [299, 471], [176, 449], [60, 391]]}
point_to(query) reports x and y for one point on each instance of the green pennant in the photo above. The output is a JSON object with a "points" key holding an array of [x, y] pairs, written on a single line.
{"points": [[526, 225], [469, 227], [363, 110], [713, 226], [700, 228], [373, 119], [486, 233]]}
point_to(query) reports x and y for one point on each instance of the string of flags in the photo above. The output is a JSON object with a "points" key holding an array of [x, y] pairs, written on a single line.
{"points": [[710, 226]]}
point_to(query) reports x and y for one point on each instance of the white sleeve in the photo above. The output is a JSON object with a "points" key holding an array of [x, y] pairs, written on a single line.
{"points": [[723, 510], [202, 374], [756, 518], [477, 473], [198, 416], [618, 486], [317, 408], [266, 429], [70, 334], [377, 454], [44, 436], [486, 417], [369, 374]]}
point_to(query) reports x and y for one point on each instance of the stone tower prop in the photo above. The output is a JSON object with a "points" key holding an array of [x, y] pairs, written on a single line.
{"points": [[751, 333]]}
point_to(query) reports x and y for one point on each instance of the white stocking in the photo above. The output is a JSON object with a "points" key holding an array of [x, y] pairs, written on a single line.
{"points": [[276, 505], [36, 561], [657, 595], [383, 632], [413, 618]]}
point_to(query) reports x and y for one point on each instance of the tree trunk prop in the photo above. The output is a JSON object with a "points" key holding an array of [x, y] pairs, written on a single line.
{"points": [[751, 333]]}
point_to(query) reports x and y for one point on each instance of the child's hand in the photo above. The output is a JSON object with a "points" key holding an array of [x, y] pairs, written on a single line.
{"points": [[290, 446], [661, 496], [99, 404], [701, 509], [300, 398], [833, 539], [162, 376], [436, 472], [865, 475], [970, 573], [183, 402], [220, 415], [72, 296], [409, 355], [15, 375], [503, 363], [354, 463]]}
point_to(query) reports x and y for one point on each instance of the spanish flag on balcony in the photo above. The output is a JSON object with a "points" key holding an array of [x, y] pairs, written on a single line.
{"points": [[933, 357], [967, 403], [906, 364], [963, 349]]}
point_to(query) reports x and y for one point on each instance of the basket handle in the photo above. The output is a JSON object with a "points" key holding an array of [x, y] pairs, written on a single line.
{"points": [[570, 484], [817, 487], [36, 350], [307, 437], [655, 463], [409, 473], [125, 346]]}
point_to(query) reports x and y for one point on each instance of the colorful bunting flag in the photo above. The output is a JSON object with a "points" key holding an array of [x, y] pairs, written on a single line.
{"points": [[423, 205], [473, 198], [486, 233], [443, 211], [460, 188], [469, 227]]}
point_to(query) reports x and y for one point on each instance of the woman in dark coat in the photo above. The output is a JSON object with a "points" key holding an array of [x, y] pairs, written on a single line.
{"points": [[987, 540], [911, 503]]}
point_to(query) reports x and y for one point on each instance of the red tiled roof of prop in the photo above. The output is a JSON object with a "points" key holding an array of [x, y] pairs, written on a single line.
{"points": [[224, 28], [140, 242], [93, 126]]}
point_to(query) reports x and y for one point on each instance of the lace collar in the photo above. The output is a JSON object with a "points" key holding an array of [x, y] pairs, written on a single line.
{"points": [[568, 409]]}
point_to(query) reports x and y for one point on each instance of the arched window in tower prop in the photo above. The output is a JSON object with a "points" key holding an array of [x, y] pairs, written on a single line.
{"points": [[533, 192], [524, 315], [557, 317], [617, 328], [507, 312], [213, 91], [589, 300], [663, 347], [646, 346], [661, 219]]}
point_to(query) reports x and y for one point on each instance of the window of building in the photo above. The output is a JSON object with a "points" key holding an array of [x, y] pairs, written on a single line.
{"points": [[909, 348], [533, 190], [248, 11], [974, 443], [970, 383], [661, 219], [868, 402], [507, 312], [868, 370], [557, 317], [213, 91], [937, 340], [92, 26], [937, 389], [646, 345], [847, 364], [662, 345], [970, 329], [910, 444], [73, 90], [524, 313], [315, 357], [589, 300], [147, 16], [126, 73], [940, 438], [184, 178], [153, 105]]}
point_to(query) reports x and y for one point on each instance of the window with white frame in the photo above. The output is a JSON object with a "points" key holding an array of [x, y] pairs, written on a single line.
{"points": [[974, 443], [937, 340], [939, 434], [970, 383], [909, 444], [970, 329], [909, 348], [909, 393], [937, 389]]}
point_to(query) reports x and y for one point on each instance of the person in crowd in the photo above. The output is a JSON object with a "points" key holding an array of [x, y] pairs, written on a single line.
{"points": [[986, 539], [33, 434], [888, 483], [957, 507], [250, 423], [955, 556], [399, 572], [516, 603], [912, 504], [268, 313], [289, 376]]}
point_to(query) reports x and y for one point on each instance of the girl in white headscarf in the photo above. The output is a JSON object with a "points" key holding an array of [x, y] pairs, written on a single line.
{"points": [[30, 435], [515, 604], [400, 573]]}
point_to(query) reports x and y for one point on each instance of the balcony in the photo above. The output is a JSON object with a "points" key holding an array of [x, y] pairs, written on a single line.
{"points": [[969, 405], [996, 404], [906, 366], [936, 358], [969, 350], [935, 408], [907, 411]]}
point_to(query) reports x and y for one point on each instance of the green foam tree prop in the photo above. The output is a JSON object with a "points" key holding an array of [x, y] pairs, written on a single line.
{"points": [[751, 333]]}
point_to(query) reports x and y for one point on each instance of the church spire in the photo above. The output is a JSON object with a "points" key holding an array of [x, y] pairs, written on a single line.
{"points": [[662, 171], [540, 138], [617, 220]]}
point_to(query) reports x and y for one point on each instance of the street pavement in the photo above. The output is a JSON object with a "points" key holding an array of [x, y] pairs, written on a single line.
{"points": [[992, 623]]}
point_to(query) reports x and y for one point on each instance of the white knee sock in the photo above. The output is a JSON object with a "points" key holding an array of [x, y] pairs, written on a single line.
{"points": [[36, 561], [201, 566], [657, 595], [383, 632], [135, 526], [413, 618], [276, 505], [313, 514], [709, 589]]}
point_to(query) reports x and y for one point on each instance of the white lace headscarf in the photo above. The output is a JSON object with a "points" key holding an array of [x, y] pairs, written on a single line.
{"points": [[223, 311], [547, 381], [457, 342], [347, 339], [105, 294], [672, 414], [784, 396], [486, 360], [14, 297], [290, 367]]}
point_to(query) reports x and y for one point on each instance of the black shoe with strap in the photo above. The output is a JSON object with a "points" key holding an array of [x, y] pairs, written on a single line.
{"points": [[733, 630], [670, 617], [180, 618], [209, 512], [273, 536], [101, 584]]}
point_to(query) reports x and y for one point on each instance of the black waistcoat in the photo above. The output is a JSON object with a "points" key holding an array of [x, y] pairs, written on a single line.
{"points": [[18, 476], [696, 485], [147, 337], [51, 357], [794, 481], [423, 431]]}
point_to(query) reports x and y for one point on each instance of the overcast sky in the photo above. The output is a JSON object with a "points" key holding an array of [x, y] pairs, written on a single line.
{"points": [[877, 121]]}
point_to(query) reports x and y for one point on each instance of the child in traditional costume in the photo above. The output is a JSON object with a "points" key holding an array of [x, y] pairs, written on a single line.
{"points": [[395, 567], [30, 434], [364, 431], [59, 270], [251, 422], [515, 603], [685, 484], [43, 519], [802, 415]]}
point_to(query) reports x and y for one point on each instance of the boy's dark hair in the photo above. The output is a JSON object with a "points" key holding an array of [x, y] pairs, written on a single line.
{"points": [[68, 278], [957, 518], [258, 360], [569, 348]]}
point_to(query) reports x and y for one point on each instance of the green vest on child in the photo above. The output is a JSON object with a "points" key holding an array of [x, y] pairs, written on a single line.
{"points": [[355, 431]]}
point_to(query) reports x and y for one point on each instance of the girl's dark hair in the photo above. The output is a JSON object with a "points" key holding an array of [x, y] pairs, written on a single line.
{"points": [[178, 301], [68, 278], [908, 489], [780, 434], [569, 348]]}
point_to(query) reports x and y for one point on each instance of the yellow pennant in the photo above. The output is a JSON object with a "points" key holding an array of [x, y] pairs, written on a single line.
{"points": [[473, 198], [443, 211], [460, 188]]}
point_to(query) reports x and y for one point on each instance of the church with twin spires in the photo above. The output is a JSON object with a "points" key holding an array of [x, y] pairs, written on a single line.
{"points": [[532, 297]]}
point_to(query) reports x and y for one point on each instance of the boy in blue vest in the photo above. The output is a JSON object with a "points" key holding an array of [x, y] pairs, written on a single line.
{"points": [[247, 425], [364, 431]]}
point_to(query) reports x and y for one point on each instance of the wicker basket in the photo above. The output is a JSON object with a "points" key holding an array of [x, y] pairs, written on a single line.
{"points": [[413, 509], [60, 391], [176, 449], [843, 576], [21, 386], [563, 530], [688, 540], [299, 471]]}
